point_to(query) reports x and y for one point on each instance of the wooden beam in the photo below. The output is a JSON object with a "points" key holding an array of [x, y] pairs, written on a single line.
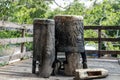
{"points": [[102, 27], [88, 74], [103, 39], [99, 42], [102, 52], [15, 40], [11, 25], [22, 44]]}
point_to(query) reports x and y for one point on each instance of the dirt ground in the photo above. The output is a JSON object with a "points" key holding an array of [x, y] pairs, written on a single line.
{"points": [[22, 70]]}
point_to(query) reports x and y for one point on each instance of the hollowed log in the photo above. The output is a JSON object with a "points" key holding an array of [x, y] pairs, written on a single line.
{"points": [[43, 46]]}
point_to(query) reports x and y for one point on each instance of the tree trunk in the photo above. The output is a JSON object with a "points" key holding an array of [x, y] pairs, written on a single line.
{"points": [[44, 46], [72, 64], [69, 38]]}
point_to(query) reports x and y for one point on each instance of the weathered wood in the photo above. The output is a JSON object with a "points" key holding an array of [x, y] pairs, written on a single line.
{"points": [[44, 46], [99, 42], [22, 44], [69, 39], [103, 39], [102, 27], [69, 33], [15, 40], [102, 52], [11, 25], [99, 39], [72, 64], [85, 74]]}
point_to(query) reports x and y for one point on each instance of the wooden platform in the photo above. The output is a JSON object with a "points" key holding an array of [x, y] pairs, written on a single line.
{"points": [[22, 70]]}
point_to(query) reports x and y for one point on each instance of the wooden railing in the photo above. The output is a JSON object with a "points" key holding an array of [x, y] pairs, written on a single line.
{"points": [[100, 39], [22, 40], [29, 29]]}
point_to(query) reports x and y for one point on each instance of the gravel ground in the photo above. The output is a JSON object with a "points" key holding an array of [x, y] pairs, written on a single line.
{"points": [[22, 70]]}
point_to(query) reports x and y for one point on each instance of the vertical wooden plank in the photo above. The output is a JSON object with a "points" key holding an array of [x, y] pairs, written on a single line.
{"points": [[99, 42], [22, 44]]}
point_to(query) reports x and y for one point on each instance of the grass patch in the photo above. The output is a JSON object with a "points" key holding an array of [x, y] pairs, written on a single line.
{"points": [[3, 64]]}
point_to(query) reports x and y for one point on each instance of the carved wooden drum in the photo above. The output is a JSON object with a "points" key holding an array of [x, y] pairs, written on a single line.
{"points": [[69, 33]]}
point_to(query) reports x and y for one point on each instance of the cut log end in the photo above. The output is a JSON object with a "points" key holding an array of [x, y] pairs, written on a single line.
{"points": [[90, 73]]}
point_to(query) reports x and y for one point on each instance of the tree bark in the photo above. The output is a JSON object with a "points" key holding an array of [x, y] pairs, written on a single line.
{"points": [[72, 64], [69, 33], [44, 46], [69, 36]]}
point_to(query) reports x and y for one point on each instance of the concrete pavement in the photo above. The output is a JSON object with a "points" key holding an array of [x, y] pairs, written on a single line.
{"points": [[22, 70]]}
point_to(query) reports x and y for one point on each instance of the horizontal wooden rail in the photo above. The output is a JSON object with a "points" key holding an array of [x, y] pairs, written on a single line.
{"points": [[14, 57], [11, 25], [103, 51], [99, 39], [15, 40], [29, 29], [103, 39], [102, 27]]}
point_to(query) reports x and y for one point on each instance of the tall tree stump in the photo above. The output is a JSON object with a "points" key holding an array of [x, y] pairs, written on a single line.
{"points": [[43, 46], [69, 39]]}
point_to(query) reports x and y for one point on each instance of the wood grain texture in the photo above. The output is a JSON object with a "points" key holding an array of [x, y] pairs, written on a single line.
{"points": [[11, 25], [69, 34], [69, 39], [72, 64], [44, 46], [15, 40]]}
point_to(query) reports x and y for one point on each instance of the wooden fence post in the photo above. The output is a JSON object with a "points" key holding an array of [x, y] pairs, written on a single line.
{"points": [[69, 36], [22, 44], [99, 42], [43, 46]]}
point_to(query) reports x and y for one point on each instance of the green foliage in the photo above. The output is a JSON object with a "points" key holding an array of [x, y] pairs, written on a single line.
{"points": [[51, 14], [24, 11], [90, 34], [9, 34], [3, 64], [21, 11], [75, 9], [29, 46], [6, 9]]}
